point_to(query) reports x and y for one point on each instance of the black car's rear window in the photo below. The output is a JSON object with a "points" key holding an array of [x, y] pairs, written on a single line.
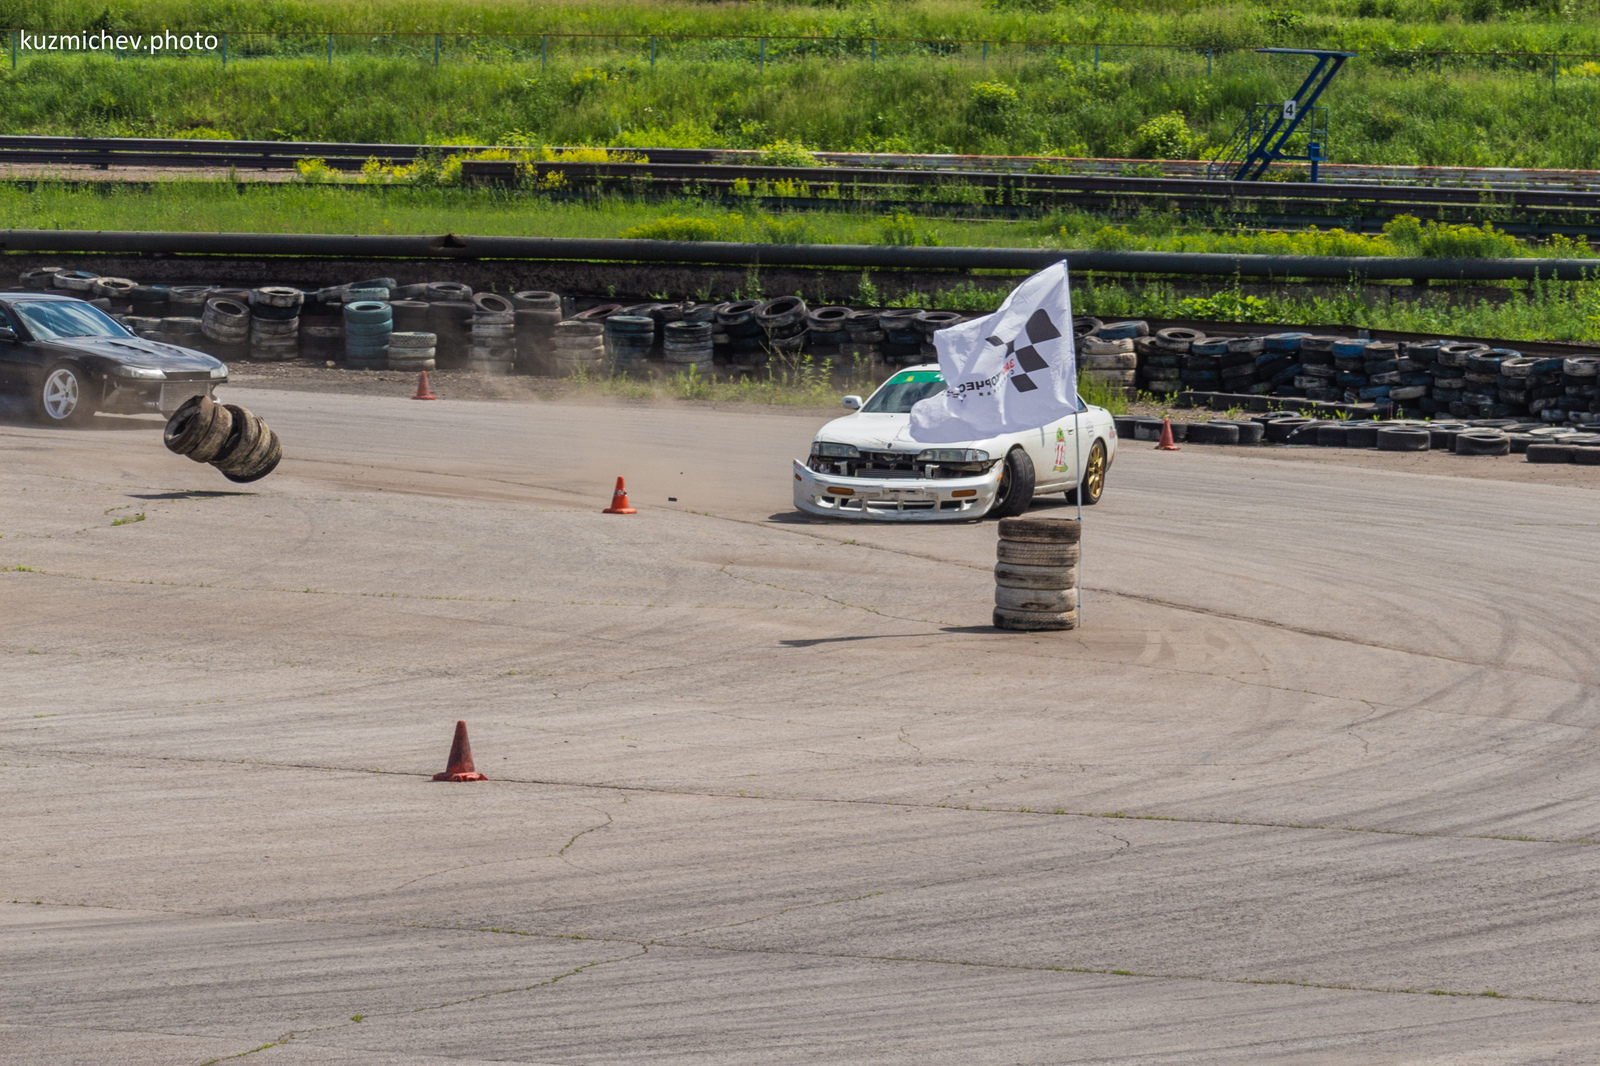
{"points": [[48, 320]]}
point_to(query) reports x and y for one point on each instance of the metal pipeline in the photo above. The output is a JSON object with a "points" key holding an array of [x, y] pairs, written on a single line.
{"points": [[848, 256]]}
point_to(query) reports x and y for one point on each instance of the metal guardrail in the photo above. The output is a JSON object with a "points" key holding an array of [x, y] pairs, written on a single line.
{"points": [[846, 256]]}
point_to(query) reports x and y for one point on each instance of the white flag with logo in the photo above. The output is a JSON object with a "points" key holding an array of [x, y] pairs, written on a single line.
{"points": [[1014, 370]]}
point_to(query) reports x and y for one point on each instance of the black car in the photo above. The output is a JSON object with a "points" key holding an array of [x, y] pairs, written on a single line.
{"points": [[71, 359]]}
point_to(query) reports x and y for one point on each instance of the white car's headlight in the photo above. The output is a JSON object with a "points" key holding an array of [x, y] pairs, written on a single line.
{"points": [[953, 455], [141, 372], [829, 450]]}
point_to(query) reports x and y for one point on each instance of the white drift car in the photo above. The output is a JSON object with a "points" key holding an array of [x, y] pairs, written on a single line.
{"points": [[865, 465]]}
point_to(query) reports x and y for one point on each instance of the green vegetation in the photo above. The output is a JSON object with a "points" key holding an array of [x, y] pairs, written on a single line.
{"points": [[1152, 104], [1477, 25], [222, 206]]}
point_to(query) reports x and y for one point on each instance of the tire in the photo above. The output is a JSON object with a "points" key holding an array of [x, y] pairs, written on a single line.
{"points": [[1586, 456], [1482, 442], [1360, 436], [1213, 433], [1013, 599], [1552, 453], [198, 428], [245, 433], [1398, 439], [265, 463], [1016, 486], [1019, 576], [1004, 618], [1055, 556], [1093, 485], [1041, 530], [62, 397]]}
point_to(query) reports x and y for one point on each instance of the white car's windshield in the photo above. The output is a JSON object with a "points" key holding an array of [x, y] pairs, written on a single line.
{"points": [[904, 389], [48, 320]]}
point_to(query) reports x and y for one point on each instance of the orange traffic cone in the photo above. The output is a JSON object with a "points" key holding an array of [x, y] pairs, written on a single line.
{"points": [[619, 500], [1165, 444], [422, 388], [460, 768]]}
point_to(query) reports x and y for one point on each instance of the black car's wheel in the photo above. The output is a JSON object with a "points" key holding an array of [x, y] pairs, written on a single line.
{"points": [[1016, 486], [1094, 477], [62, 397]]}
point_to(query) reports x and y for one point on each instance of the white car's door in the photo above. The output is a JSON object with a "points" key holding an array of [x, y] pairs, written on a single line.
{"points": [[1056, 462]]}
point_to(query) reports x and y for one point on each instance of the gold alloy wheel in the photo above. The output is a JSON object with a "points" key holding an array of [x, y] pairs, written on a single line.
{"points": [[1094, 479]]}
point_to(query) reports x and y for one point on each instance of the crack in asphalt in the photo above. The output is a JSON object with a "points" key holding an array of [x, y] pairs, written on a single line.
{"points": [[646, 943], [761, 797]]}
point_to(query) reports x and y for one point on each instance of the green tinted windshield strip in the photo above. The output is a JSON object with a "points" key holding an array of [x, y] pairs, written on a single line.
{"points": [[916, 375]]}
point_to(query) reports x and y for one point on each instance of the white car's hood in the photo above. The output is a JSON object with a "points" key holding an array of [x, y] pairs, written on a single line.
{"points": [[882, 432]]}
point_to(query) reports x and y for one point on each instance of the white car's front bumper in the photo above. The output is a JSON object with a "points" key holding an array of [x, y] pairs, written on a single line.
{"points": [[895, 499]]}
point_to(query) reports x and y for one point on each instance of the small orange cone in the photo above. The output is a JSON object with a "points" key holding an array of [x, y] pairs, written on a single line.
{"points": [[460, 768], [619, 500], [1165, 444], [422, 388]]}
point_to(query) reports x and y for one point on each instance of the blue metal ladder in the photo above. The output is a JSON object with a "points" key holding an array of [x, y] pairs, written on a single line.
{"points": [[1262, 138]]}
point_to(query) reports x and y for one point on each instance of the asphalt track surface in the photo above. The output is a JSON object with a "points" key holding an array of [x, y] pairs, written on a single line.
{"points": [[1314, 783]]}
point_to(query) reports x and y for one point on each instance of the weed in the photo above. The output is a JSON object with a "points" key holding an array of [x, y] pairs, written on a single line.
{"points": [[128, 520]]}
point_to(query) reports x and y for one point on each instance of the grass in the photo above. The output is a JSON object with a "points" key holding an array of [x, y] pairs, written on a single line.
{"points": [[1460, 24], [1047, 102], [221, 206]]}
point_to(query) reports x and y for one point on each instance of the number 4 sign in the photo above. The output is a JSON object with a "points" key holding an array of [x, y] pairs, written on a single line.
{"points": [[1290, 109]]}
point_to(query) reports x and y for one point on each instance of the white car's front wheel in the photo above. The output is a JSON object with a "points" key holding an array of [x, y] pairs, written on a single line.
{"points": [[1015, 494], [63, 397]]}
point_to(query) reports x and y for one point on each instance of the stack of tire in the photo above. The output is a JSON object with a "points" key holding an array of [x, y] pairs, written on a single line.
{"points": [[742, 335], [148, 301], [227, 436], [537, 313], [410, 315], [902, 342], [494, 335], [927, 323], [580, 347], [1115, 363], [39, 279], [826, 328], [1197, 372], [864, 338], [1581, 377], [275, 323], [628, 341], [1160, 370], [74, 282], [1318, 377], [783, 322], [450, 319], [322, 328], [1036, 574], [367, 325], [412, 350], [1423, 365], [688, 346], [1240, 365], [184, 331], [226, 323], [117, 292]]}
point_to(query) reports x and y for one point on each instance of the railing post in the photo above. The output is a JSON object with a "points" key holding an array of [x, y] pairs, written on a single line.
{"points": [[652, 52], [330, 49], [1438, 64], [986, 51], [874, 51], [436, 49], [14, 49], [1097, 58], [1552, 74], [1208, 62], [224, 51], [763, 55], [543, 53]]}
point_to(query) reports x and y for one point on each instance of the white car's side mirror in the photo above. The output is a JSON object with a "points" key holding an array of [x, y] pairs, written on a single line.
{"points": [[852, 402]]}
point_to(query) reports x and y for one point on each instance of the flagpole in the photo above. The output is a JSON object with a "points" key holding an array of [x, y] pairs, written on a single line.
{"points": [[1077, 447]]}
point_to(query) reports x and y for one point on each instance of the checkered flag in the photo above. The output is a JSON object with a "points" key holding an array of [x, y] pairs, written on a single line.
{"points": [[1025, 343], [1038, 330]]}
